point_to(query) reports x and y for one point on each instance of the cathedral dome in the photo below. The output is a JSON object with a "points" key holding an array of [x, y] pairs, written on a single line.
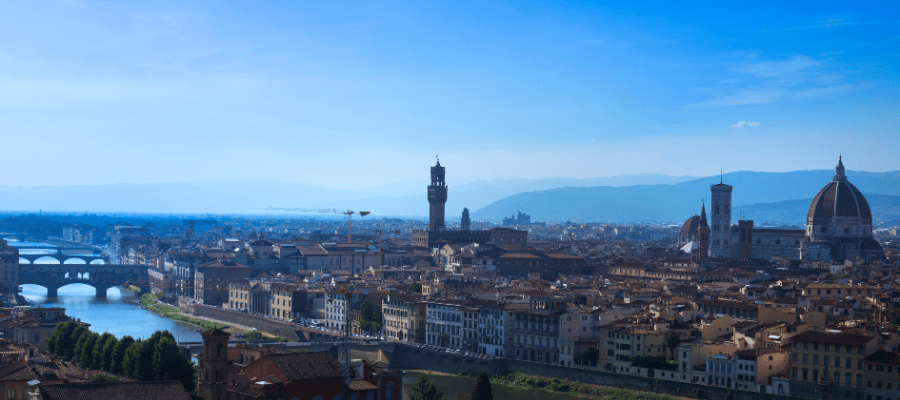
{"points": [[839, 200], [690, 226]]}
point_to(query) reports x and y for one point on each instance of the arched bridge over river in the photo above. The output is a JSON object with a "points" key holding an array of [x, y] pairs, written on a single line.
{"points": [[100, 276]]}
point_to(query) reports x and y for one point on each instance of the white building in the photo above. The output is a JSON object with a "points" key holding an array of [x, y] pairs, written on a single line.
{"points": [[443, 323]]}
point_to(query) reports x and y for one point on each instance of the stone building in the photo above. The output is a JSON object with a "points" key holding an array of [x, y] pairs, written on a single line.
{"points": [[9, 267], [835, 358], [437, 233], [838, 227], [211, 281]]}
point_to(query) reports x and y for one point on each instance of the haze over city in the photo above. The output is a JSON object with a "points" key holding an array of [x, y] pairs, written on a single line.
{"points": [[353, 95]]}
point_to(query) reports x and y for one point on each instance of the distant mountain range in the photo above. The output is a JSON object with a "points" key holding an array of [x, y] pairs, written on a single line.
{"points": [[884, 208], [406, 198], [679, 201], [761, 196]]}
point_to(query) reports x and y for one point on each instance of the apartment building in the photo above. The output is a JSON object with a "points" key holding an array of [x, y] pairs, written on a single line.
{"points": [[211, 281], [470, 326], [443, 323], [494, 323], [835, 358], [404, 318], [882, 375], [535, 335]]}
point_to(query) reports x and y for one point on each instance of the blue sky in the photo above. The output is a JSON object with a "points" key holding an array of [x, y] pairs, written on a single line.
{"points": [[350, 95]]}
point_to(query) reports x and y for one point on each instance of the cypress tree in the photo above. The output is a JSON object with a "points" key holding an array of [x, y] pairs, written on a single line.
{"points": [[482, 389], [117, 361], [165, 360], [106, 354], [66, 346], [143, 369], [78, 351], [87, 351], [130, 361], [97, 358]]}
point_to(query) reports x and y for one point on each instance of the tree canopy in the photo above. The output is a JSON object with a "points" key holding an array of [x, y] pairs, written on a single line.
{"points": [[154, 359], [424, 389]]}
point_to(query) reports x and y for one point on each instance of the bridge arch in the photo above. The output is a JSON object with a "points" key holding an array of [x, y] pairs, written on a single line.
{"points": [[100, 290], [75, 260], [23, 260], [98, 261]]}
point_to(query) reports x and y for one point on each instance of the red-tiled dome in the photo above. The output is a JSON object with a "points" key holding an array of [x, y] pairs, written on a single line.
{"points": [[690, 226], [839, 198]]}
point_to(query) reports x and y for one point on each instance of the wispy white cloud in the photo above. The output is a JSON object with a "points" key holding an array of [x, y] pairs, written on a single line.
{"points": [[745, 124], [775, 69], [761, 81], [744, 98]]}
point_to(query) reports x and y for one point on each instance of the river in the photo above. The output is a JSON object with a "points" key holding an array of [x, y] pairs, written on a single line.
{"points": [[119, 313]]}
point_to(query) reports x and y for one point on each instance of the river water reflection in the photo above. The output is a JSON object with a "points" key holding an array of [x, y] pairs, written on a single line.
{"points": [[119, 313]]}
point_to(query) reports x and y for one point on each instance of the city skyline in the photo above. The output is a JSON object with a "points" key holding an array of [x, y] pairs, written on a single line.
{"points": [[360, 95]]}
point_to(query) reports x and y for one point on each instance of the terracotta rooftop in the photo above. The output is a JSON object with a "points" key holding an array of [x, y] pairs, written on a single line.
{"points": [[845, 338], [169, 390]]}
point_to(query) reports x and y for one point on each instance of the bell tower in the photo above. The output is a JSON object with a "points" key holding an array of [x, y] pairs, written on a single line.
{"points": [[213, 367], [437, 197], [702, 236], [720, 221]]}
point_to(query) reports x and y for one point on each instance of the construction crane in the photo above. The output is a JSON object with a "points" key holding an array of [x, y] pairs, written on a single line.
{"points": [[348, 213]]}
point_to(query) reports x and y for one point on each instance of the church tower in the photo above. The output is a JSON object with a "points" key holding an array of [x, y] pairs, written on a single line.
{"points": [[437, 197], [465, 224], [702, 236], [720, 221], [213, 379]]}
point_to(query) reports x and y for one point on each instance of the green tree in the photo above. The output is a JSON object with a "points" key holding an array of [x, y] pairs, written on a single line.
{"points": [[86, 356], [370, 316], [118, 355], [130, 360], [105, 358], [672, 342], [144, 366], [79, 345], [482, 390], [66, 346], [590, 357], [59, 335], [424, 389], [165, 359], [97, 359]]}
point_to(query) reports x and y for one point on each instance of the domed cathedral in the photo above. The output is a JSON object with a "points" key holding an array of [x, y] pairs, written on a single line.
{"points": [[838, 227], [839, 223]]}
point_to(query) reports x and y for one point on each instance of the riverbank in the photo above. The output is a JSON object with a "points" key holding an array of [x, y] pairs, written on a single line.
{"points": [[152, 303], [527, 387], [156, 305]]}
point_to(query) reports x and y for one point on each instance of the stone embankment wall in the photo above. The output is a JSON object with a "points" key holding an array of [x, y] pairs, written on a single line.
{"points": [[262, 324], [408, 357]]}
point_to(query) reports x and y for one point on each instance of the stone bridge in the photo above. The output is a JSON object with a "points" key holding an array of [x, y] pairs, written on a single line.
{"points": [[62, 257], [100, 276], [62, 252]]}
